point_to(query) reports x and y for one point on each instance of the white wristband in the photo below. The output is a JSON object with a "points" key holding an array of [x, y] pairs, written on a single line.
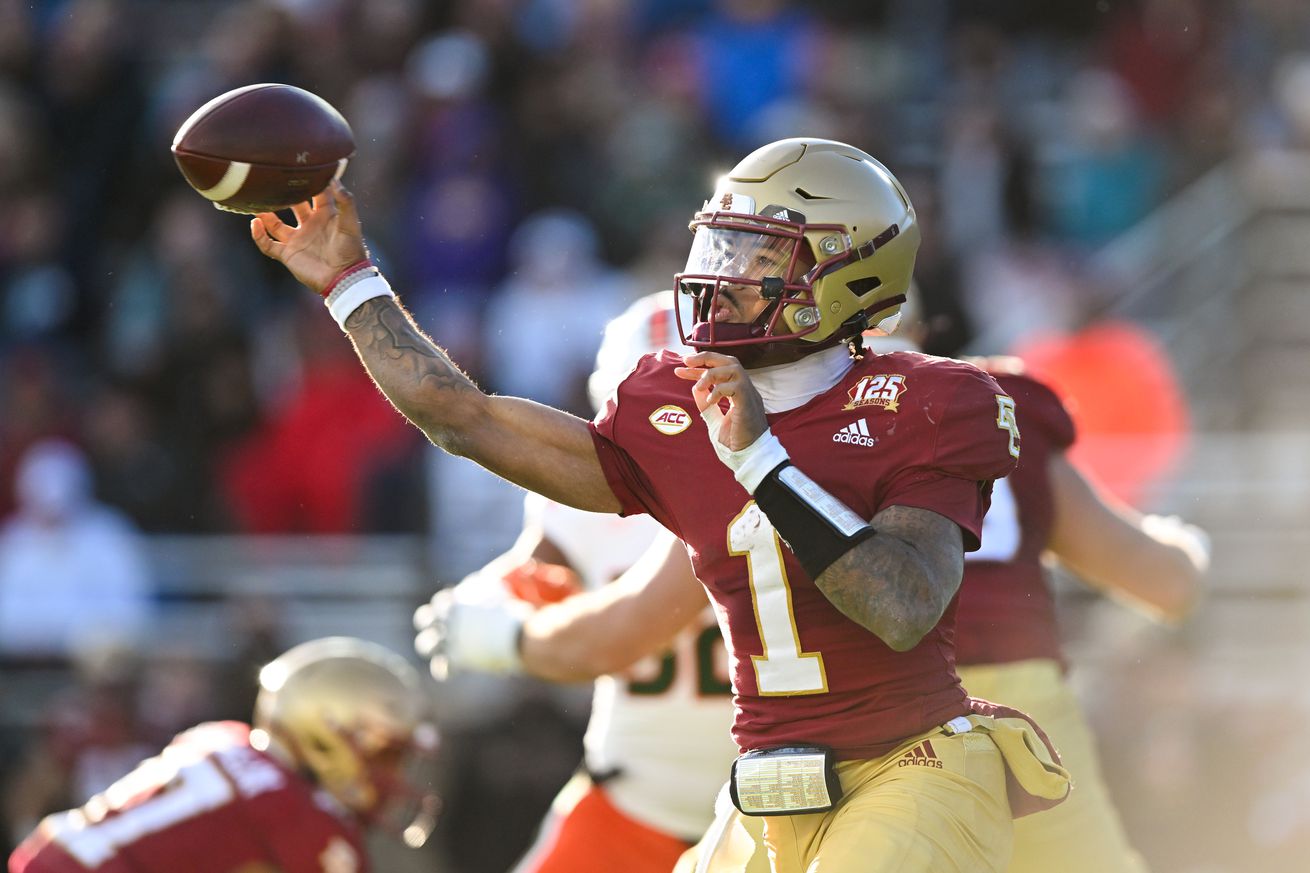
{"points": [[346, 298], [751, 464]]}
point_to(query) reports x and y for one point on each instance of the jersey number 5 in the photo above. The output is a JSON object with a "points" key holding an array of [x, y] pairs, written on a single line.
{"points": [[1005, 420], [783, 668]]}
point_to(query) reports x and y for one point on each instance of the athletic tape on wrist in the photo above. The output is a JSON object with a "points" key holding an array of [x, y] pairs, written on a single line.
{"points": [[751, 464], [350, 292]]}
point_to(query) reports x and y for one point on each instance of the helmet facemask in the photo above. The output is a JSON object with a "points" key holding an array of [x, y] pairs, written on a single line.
{"points": [[746, 259], [822, 282], [395, 771]]}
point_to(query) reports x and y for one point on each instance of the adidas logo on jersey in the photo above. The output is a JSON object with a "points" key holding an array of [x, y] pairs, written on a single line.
{"points": [[921, 755], [855, 433]]}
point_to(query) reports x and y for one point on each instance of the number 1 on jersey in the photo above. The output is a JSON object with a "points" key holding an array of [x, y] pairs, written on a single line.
{"points": [[783, 668]]}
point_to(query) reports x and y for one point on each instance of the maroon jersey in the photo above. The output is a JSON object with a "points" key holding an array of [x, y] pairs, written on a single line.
{"points": [[899, 429], [209, 803], [1006, 612]]}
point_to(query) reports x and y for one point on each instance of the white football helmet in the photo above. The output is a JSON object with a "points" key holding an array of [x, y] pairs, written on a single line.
{"points": [[648, 325], [353, 715], [824, 232]]}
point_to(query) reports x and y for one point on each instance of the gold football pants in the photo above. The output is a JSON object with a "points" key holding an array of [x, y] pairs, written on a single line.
{"points": [[936, 804], [1083, 834]]}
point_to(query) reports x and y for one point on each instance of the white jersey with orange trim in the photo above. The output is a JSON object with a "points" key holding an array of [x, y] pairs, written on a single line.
{"points": [[660, 733]]}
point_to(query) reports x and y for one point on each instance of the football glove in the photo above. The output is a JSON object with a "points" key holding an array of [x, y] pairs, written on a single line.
{"points": [[1188, 537], [474, 625]]}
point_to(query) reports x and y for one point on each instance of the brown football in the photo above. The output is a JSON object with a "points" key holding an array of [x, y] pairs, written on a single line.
{"points": [[263, 147]]}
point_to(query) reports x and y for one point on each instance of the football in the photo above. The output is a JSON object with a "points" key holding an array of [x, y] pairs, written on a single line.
{"points": [[263, 147]]}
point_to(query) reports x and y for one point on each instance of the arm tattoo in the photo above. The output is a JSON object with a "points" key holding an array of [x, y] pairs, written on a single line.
{"points": [[415, 375], [897, 584]]}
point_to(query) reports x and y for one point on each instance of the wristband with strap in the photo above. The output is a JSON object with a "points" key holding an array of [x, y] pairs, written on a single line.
{"points": [[817, 526]]}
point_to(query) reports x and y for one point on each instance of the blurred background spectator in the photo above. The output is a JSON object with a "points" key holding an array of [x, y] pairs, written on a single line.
{"points": [[72, 571], [505, 168], [539, 336], [1119, 189]]}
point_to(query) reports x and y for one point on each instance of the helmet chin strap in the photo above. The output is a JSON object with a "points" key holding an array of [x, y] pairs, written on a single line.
{"points": [[722, 332], [757, 355], [707, 332], [754, 356]]}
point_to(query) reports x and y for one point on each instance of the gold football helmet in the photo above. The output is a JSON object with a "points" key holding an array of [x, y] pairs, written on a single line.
{"points": [[353, 715], [825, 233]]}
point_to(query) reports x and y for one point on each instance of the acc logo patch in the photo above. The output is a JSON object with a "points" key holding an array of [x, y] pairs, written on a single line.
{"points": [[670, 420], [882, 390]]}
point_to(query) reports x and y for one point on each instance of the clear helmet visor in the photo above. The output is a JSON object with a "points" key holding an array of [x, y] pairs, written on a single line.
{"points": [[741, 254]]}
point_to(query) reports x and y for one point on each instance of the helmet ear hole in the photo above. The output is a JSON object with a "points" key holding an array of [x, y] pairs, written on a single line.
{"points": [[860, 287]]}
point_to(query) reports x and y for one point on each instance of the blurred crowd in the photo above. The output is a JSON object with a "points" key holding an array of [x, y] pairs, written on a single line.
{"points": [[527, 168]]}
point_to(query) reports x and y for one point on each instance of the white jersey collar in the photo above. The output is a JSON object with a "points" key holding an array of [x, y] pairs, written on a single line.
{"points": [[787, 386]]}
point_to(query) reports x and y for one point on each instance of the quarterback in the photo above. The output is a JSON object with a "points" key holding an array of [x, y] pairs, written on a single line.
{"points": [[336, 722], [832, 563], [1007, 638], [657, 745]]}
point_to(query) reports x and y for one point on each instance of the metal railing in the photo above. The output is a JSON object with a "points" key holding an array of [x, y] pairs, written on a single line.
{"points": [[206, 586]]}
